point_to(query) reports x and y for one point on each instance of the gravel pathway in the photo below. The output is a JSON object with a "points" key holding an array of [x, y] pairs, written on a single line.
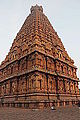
{"points": [[67, 113]]}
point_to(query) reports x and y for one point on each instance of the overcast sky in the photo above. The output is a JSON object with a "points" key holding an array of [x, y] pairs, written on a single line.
{"points": [[64, 16]]}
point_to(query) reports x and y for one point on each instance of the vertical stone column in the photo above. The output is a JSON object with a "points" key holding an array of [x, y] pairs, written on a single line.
{"points": [[10, 87], [75, 87], [64, 103], [45, 83], [26, 84], [70, 86], [57, 84], [70, 103], [58, 104], [64, 86]]}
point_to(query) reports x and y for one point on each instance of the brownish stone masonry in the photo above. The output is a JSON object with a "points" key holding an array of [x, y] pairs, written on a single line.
{"points": [[38, 72]]}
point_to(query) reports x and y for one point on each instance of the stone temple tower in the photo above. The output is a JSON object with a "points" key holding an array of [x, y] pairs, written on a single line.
{"points": [[38, 72]]}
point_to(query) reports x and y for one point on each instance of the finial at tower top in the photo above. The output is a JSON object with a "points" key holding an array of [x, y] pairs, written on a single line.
{"points": [[36, 7]]}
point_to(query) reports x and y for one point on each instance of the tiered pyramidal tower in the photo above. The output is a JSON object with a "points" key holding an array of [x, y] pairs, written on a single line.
{"points": [[38, 72]]}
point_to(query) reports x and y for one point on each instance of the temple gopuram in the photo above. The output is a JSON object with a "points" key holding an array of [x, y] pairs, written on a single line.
{"points": [[38, 72]]}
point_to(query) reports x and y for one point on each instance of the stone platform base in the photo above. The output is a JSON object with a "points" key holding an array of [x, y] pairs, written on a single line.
{"points": [[39, 101], [39, 105]]}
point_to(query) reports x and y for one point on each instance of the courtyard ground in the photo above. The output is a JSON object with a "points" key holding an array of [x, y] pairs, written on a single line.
{"points": [[67, 113]]}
